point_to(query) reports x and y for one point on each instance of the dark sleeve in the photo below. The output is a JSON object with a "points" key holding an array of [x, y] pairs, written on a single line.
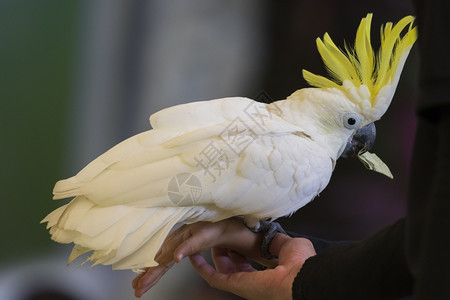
{"points": [[372, 269], [433, 21], [428, 243], [319, 244], [428, 226]]}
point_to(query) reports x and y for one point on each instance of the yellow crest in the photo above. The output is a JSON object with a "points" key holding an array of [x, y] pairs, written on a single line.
{"points": [[359, 73]]}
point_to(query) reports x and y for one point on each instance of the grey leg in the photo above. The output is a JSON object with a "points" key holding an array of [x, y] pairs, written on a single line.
{"points": [[269, 229]]}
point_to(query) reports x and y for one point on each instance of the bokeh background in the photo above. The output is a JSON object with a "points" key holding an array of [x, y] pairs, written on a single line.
{"points": [[77, 77]]}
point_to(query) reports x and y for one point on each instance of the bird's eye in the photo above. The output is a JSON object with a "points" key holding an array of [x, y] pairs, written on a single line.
{"points": [[351, 120]]}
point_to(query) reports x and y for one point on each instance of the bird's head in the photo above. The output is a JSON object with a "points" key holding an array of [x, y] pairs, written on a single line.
{"points": [[362, 82]]}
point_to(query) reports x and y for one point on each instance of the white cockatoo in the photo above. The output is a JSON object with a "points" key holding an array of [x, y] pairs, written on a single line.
{"points": [[212, 160]]}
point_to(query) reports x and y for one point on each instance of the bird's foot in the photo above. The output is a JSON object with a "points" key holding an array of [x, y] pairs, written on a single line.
{"points": [[269, 230]]}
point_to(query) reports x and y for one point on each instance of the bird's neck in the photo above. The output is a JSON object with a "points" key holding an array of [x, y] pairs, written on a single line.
{"points": [[308, 118]]}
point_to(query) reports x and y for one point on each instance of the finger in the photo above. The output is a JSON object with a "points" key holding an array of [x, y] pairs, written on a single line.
{"points": [[135, 281], [240, 262], [147, 280], [196, 243], [191, 243], [202, 267], [139, 292], [228, 282], [296, 251], [153, 275], [172, 241], [222, 261], [278, 242]]}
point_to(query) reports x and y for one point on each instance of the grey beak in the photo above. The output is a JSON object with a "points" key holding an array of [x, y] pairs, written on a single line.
{"points": [[364, 138]]}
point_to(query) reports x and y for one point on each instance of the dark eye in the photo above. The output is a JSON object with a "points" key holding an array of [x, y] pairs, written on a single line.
{"points": [[351, 120]]}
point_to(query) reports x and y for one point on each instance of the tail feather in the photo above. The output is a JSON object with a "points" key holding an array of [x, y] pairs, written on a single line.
{"points": [[66, 188], [75, 210], [144, 255], [87, 225], [129, 257], [77, 251], [111, 238], [149, 236], [53, 217], [97, 219], [62, 236], [122, 236]]}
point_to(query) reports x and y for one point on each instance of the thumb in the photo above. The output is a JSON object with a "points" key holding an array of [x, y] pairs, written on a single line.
{"points": [[295, 251], [278, 242]]}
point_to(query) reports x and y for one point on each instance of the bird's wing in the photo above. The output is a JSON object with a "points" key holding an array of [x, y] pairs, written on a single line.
{"points": [[170, 122], [230, 154], [201, 114]]}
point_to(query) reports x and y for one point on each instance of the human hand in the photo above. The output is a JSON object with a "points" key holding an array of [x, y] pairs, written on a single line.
{"points": [[191, 239], [234, 274]]}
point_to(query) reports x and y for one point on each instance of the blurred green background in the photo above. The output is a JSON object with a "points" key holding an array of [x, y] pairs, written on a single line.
{"points": [[37, 48]]}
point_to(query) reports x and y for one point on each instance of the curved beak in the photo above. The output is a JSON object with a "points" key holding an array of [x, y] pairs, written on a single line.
{"points": [[363, 139]]}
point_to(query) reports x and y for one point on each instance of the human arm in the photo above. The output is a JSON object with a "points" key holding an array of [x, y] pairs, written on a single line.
{"points": [[375, 268]]}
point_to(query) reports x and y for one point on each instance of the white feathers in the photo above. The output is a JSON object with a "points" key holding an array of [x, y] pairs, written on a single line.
{"points": [[124, 236], [245, 159]]}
